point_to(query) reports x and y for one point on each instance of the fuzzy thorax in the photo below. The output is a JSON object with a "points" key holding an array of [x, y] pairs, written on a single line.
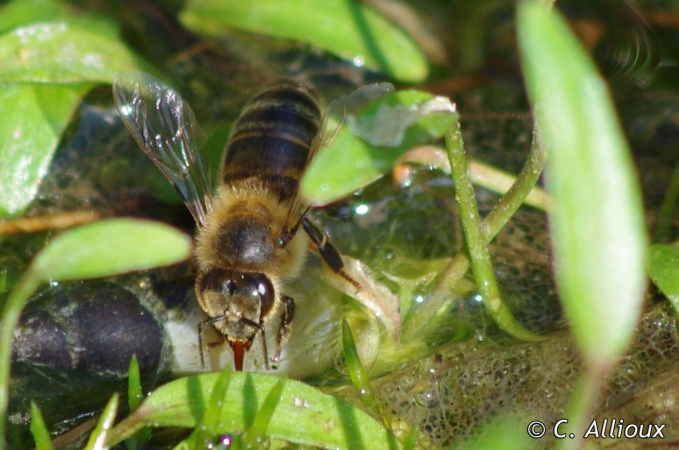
{"points": [[242, 234]]}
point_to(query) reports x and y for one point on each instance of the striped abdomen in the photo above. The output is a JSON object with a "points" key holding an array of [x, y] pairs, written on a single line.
{"points": [[272, 138]]}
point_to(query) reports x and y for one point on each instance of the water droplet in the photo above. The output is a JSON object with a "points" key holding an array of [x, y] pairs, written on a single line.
{"points": [[362, 209], [359, 61]]}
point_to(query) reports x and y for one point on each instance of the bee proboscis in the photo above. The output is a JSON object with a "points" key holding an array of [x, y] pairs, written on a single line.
{"points": [[247, 241]]}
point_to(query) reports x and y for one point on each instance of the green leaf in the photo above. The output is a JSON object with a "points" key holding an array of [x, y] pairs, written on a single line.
{"points": [[24, 12], [39, 431], [394, 123], [596, 221], [663, 267], [345, 28], [110, 247], [303, 415], [63, 52], [38, 61], [34, 116]]}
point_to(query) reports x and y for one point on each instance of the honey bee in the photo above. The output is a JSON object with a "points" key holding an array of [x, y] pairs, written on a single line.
{"points": [[247, 241]]}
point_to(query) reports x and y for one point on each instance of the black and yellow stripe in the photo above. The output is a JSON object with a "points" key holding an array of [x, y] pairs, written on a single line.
{"points": [[272, 138]]}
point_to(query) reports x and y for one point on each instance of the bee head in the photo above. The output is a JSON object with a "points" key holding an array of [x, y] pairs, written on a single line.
{"points": [[237, 304]]}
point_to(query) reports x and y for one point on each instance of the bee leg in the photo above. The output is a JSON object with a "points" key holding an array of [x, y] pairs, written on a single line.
{"points": [[285, 329], [201, 326], [327, 251]]}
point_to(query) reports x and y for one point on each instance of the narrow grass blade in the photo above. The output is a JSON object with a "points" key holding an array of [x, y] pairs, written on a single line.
{"points": [[135, 395], [98, 437], [39, 430], [204, 435], [259, 427], [410, 442], [134, 392], [357, 373]]}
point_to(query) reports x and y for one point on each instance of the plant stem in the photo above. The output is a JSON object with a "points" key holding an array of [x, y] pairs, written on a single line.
{"points": [[469, 216], [20, 294], [441, 297], [495, 180], [482, 267]]}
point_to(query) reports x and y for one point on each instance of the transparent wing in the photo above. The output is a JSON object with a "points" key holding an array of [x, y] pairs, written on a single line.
{"points": [[335, 116], [345, 108], [166, 129]]}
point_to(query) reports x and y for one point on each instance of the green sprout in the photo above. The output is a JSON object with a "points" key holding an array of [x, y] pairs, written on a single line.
{"points": [[38, 429]]}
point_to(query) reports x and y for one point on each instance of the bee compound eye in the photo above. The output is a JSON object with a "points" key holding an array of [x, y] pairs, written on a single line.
{"points": [[219, 281], [263, 289], [254, 285]]}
